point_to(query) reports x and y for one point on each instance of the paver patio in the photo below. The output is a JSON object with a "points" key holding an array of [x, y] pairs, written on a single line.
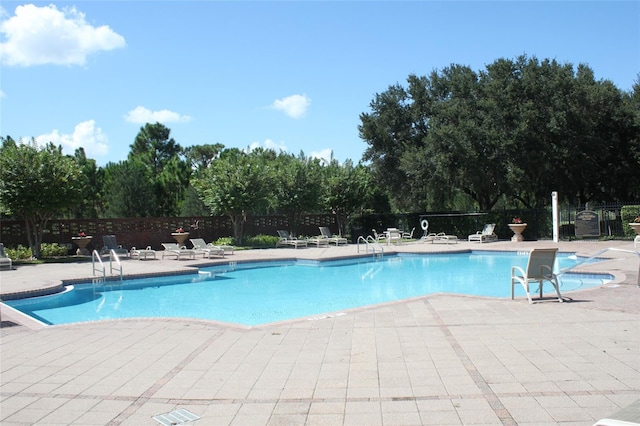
{"points": [[435, 360]]}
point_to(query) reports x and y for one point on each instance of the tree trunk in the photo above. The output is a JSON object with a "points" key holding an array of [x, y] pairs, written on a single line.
{"points": [[237, 221]]}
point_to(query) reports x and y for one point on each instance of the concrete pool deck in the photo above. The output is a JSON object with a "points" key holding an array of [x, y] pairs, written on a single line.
{"points": [[440, 359]]}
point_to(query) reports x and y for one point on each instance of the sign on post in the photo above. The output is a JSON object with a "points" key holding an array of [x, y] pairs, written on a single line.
{"points": [[587, 224]]}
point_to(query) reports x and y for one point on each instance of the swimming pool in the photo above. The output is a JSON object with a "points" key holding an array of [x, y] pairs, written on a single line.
{"points": [[264, 292]]}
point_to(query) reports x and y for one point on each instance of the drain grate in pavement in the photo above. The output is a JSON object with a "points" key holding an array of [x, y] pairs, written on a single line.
{"points": [[176, 417]]}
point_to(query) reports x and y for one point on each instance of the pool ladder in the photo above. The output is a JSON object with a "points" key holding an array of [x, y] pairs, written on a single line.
{"points": [[371, 243], [99, 266]]}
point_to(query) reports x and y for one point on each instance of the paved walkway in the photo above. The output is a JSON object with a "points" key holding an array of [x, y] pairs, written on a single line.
{"points": [[439, 360]]}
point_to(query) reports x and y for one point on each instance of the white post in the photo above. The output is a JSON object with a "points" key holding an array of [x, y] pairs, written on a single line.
{"points": [[554, 209]]}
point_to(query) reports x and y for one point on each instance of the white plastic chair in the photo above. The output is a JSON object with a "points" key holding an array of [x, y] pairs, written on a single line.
{"points": [[539, 269]]}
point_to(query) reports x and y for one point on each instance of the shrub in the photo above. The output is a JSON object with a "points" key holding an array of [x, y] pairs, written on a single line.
{"points": [[48, 250], [628, 214], [261, 241], [20, 252], [53, 250], [224, 241]]}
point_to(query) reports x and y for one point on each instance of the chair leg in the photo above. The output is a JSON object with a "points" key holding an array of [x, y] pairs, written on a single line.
{"points": [[556, 285]]}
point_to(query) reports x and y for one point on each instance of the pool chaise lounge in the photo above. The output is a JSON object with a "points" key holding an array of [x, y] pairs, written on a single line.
{"points": [[486, 235], [287, 240], [444, 238], [201, 247], [111, 244], [174, 250], [326, 234], [5, 261], [142, 253], [318, 241]]}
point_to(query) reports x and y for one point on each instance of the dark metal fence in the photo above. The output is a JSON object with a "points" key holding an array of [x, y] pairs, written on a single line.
{"points": [[539, 222]]}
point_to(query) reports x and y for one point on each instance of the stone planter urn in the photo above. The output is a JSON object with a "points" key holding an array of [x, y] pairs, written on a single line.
{"points": [[82, 243], [517, 229], [180, 237]]}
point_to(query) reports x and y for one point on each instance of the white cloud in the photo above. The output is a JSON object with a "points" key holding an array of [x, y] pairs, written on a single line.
{"points": [[85, 135], [2, 94], [325, 155], [46, 35], [295, 106], [143, 115], [268, 144]]}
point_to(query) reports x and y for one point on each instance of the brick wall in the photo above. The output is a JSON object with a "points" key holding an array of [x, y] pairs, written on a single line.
{"points": [[141, 232]]}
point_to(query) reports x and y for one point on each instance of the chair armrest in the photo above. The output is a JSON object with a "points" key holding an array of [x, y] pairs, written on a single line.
{"points": [[519, 270]]}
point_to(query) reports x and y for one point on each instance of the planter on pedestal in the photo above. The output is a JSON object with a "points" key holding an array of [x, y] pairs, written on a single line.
{"points": [[636, 228], [180, 237], [82, 243], [517, 229]]}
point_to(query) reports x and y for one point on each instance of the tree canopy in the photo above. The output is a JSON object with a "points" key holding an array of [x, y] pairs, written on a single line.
{"points": [[36, 183], [516, 131]]}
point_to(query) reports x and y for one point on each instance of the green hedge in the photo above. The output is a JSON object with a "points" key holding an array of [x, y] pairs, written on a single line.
{"points": [[48, 250], [628, 215]]}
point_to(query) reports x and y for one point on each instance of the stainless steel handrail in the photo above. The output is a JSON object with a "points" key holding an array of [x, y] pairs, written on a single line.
{"points": [[593, 256]]}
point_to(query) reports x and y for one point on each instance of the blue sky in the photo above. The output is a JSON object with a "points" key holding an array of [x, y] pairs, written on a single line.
{"points": [[286, 75]]}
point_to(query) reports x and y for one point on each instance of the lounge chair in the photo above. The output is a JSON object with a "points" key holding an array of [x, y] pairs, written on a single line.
{"points": [[486, 235], [288, 240], [442, 237], [5, 261], [428, 237], [110, 243], [627, 416], [539, 269], [207, 250], [173, 249], [142, 253], [326, 233], [318, 241]]}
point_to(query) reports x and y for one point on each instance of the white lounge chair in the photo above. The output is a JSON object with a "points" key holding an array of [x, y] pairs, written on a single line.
{"points": [[486, 235], [142, 253], [539, 269], [200, 246], [288, 240], [318, 241], [173, 249], [110, 243], [442, 237], [326, 233], [4, 258]]}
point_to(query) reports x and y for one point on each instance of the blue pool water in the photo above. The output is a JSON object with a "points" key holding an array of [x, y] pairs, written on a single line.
{"points": [[259, 293]]}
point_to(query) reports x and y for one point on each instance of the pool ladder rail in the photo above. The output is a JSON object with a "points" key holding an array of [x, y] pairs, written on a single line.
{"points": [[372, 244], [98, 265], [593, 256]]}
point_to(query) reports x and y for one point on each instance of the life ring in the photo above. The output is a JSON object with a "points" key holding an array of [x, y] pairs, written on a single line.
{"points": [[424, 223]]}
